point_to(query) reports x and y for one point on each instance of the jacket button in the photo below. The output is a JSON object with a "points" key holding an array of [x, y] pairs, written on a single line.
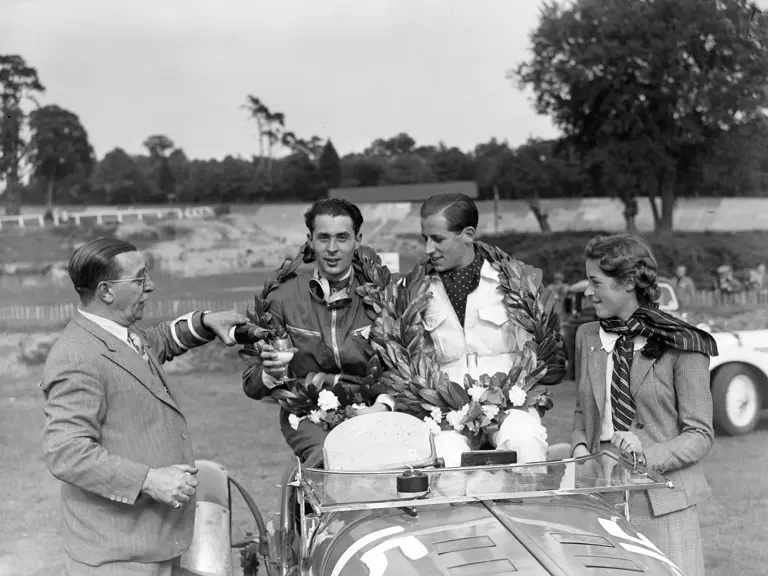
{"points": [[639, 426]]}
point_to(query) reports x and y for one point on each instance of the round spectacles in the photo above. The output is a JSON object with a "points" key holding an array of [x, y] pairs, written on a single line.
{"points": [[141, 280]]}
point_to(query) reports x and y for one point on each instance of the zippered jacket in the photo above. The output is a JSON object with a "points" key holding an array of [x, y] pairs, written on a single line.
{"points": [[334, 342]]}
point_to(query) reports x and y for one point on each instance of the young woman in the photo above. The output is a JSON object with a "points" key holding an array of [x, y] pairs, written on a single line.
{"points": [[643, 381]]}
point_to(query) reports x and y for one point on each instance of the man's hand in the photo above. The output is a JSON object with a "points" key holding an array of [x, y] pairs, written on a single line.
{"points": [[221, 323], [271, 363], [172, 485], [628, 443], [378, 407]]}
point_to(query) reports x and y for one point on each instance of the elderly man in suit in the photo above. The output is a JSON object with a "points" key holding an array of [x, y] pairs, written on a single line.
{"points": [[114, 433]]}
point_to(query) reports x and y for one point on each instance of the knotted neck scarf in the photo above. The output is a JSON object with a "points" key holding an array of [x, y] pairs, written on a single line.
{"points": [[333, 295], [658, 328], [460, 283]]}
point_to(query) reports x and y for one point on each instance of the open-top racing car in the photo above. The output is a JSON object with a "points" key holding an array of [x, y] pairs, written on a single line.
{"points": [[384, 506]]}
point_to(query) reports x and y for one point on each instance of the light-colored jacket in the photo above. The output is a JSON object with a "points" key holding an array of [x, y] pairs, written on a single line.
{"points": [[488, 340], [110, 417], [673, 418]]}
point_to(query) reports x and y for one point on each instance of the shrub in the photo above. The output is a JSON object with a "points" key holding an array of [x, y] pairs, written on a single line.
{"points": [[700, 252]]}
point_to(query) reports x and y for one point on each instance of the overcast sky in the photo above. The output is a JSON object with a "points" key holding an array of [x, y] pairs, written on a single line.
{"points": [[351, 70]]}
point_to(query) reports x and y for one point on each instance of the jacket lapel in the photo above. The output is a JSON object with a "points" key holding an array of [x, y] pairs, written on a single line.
{"points": [[640, 367], [121, 354], [598, 364]]}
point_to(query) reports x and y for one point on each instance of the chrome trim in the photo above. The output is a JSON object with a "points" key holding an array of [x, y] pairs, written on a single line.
{"points": [[303, 331], [334, 340]]}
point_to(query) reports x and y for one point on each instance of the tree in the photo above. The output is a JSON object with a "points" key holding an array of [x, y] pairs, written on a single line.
{"points": [[395, 146], [299, 178], [451, 164], [330, 166], [59, 147], [18, 82], [359, 170], [665, 77], [160, 147], [118, 179]]}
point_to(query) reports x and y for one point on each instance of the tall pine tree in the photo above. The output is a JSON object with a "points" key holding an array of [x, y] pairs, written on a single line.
{"points": [[330, 166]]}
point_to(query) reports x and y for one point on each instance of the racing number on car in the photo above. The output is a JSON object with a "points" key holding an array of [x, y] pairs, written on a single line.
{"points": [[376, 557], [640, 545]]}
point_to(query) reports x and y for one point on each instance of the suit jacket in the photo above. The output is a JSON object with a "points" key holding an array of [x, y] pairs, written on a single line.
{"points": [[109, 419], [673, 419]]}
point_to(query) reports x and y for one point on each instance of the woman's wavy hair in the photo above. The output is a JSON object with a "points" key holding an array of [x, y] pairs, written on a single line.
{"points": [[624, 257]]}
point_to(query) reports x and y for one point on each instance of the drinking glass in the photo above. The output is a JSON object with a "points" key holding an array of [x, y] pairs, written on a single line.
{"points": [[284, 349]]}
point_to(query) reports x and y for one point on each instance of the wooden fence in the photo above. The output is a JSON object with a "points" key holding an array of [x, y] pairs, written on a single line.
{"points": [[26, 317]]}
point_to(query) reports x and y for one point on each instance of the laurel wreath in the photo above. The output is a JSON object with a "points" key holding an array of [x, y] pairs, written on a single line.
{"points": [[301, 397], [476, 407], [403, 364]]}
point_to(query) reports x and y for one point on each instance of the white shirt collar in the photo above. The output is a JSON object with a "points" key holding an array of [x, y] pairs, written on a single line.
{"points": [[609, 339], [121, 332]]}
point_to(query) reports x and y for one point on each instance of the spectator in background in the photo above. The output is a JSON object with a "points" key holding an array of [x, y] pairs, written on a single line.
{"points": [[726, 282], [757, 278], [683, 285], [559, 289]]}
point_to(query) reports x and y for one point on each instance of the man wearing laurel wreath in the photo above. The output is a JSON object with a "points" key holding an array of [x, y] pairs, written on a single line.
{"points": [[469, 327], [326, 320]]}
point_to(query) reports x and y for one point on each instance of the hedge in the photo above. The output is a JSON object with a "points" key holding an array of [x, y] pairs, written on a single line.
{"points": [[701, 252]]}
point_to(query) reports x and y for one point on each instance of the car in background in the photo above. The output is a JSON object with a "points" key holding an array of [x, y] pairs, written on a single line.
{"points": [[738, 374]]}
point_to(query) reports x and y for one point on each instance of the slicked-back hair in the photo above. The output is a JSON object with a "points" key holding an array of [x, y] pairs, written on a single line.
{"points": [[626, 256], [333, 207], [94, 263], [459, 210]]}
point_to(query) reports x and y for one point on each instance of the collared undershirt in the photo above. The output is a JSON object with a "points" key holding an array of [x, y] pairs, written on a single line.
{"points": [[460, 283], [608, 339], [120, 332]]}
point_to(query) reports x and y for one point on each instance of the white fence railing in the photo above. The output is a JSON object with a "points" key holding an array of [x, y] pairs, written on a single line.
{"points": [[104, 216], [54, 315], [50, 315]]}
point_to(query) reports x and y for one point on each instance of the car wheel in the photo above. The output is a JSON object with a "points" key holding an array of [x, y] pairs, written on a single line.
{"points": [[736, 398]]}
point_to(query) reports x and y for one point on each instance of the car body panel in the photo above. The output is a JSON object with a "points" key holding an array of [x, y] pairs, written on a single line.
{"points": [[564, 535]]}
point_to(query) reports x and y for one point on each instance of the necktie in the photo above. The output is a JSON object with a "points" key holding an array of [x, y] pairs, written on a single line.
{"points": [[622, 403], [138, 345]]}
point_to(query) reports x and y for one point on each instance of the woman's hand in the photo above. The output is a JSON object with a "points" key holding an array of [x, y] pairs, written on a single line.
{"points": [[628, 443]]}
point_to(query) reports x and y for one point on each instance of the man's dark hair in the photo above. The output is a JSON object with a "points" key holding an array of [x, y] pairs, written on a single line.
{"points": [[333, 207], [458, 209], [94, 263]]}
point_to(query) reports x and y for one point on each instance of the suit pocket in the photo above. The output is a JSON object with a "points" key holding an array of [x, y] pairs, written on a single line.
{"points": [[433, 319], [444, 340], [495, 315]]}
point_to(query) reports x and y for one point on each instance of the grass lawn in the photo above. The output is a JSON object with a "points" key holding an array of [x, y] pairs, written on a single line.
{"points": [[243, 435]]}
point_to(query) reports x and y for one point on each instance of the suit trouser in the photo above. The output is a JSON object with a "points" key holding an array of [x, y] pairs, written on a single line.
{"points": [[75, 568], [306, 442]]}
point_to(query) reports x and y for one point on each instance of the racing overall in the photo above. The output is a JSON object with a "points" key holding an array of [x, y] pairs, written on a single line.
{"points": [[329, 340]]}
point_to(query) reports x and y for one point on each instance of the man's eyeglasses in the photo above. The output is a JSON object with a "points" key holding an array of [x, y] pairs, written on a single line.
{"points": [[141, 280]]}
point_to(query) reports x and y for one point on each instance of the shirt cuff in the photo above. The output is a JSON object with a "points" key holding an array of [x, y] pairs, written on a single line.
{"points": [[387, 400], [269, 381]]}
